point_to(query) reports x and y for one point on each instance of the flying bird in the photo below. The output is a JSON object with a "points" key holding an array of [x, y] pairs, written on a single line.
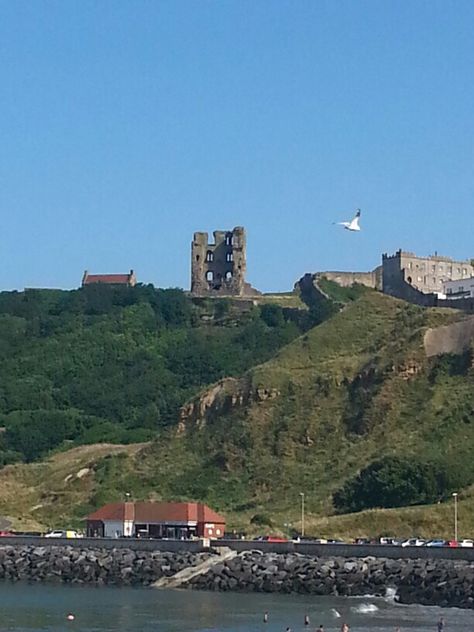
{"points": [[353, 224]]}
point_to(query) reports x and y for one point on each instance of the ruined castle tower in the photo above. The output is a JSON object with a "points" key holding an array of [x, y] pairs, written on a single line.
{"points": [[218, 269]]}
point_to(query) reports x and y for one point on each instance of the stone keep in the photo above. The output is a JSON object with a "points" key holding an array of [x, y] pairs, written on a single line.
{"points": [[218, 269]]}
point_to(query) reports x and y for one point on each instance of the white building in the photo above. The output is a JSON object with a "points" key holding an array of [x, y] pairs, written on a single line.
{"points": [[462, 288]]}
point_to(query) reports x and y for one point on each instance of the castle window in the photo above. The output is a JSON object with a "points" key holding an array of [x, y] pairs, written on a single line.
{"points": [[441, 268], [409, 279], [434, 280], [419, 279], [197, 257], [228, 275], [410, 265], [228, 240], [229, 257], [464, 271], [210, 256], [209, 275]]}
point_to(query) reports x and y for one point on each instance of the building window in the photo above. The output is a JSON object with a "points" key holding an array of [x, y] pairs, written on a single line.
{"points": [[228, 240], [464, 271], [229, 257], [410, 265], [419, 279], [209, 275], [210, 256], [228, 275], [434, 280], [441, 269]]}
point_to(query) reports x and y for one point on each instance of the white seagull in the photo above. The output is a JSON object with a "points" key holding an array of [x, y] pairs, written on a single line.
{"points": [[353, 224]]}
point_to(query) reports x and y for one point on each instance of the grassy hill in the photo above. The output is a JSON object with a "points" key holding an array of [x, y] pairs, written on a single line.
{"points": [[344, 394], [105, 364]]}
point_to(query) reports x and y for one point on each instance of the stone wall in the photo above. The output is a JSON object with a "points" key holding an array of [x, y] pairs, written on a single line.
{"points": [[372, 279], [429, 582], [71, 564], [455, 338]]}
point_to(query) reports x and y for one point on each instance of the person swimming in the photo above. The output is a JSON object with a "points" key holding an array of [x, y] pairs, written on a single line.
{"points": [[265, 617], [306, 619], [345, 627]]}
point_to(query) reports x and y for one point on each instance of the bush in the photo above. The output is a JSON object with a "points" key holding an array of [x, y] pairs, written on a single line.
{"points": [[397, 482], [262, 520]]}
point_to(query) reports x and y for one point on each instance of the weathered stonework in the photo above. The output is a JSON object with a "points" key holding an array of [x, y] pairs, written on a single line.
{"points": [[218, 268], [426, 274]]}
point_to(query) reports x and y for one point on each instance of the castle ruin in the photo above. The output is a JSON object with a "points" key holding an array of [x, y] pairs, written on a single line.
{"points": [[218, 268]]}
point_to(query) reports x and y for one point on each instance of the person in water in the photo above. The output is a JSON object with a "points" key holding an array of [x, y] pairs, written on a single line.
{"points": [[265, 617], [320, 629], [441, 625], [306, 619], [344, 627]]}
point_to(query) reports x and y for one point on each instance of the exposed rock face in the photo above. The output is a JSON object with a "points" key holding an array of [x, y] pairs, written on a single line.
{"points": [[221, 398], [96, 566], [429, 582]]}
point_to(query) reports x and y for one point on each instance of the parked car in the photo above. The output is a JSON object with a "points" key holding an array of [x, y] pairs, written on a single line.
{"points": [[414, 542], [63, 533], [6, 534], [362, 541], [467, 543], [453, 544], [436, 543]]}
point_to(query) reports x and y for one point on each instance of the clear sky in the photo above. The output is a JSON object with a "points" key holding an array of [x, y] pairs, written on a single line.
{"points": [[125, 126]]}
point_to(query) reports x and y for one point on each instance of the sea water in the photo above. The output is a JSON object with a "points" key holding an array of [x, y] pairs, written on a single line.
{"points": [[31, 607]]}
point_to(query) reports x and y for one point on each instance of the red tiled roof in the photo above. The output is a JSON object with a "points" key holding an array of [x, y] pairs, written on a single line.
{"points": [[115, 279], [148, 512]]}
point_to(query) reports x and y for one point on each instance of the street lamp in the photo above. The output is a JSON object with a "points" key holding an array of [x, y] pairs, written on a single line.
{"points": [[455, 496], [127, 496], [302, 514]]}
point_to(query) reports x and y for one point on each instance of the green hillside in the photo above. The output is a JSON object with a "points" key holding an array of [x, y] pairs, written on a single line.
{"points": [[349, 412], [115, 364], [350, 392]]}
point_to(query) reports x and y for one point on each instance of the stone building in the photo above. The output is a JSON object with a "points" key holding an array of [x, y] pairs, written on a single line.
{"points": [[218, 268], [109, 279], [425, 274]]}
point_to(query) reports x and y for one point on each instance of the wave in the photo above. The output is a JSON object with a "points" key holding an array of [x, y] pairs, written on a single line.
{"points": [[364, 608], [335, 613]]}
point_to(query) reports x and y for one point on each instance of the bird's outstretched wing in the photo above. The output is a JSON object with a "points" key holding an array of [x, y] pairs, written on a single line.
{"points": [[354, 224]]}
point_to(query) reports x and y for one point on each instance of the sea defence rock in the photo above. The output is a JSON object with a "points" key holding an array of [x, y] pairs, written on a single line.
{"points": [[92, 566], [428, 582]]}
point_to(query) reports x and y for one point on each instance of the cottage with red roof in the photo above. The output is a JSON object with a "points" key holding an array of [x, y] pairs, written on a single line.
{"points": [[110, 279], [155, 520]]}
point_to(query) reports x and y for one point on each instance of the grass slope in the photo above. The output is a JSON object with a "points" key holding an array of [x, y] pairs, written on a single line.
{"points": [[338, 397]]}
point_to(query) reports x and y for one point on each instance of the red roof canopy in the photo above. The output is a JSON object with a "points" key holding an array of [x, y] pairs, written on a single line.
{"points": [[153, 512]]}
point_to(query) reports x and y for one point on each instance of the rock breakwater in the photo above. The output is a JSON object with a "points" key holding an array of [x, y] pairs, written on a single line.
{"points": [[428, 582], [92, 566]]}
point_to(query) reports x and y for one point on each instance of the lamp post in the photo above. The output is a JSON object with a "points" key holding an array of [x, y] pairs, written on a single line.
{"points": [[455, 496], [302, 514]]}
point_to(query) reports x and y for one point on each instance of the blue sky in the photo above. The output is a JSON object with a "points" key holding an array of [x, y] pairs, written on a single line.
{"points": [[125, 126]]}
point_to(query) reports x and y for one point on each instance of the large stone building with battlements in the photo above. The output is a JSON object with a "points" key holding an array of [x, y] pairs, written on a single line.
{"points": [[426, 274], [218, 268]]}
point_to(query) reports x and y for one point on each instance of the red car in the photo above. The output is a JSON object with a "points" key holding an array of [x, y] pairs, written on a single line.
{"points": [[453, 544], [6, 534]]}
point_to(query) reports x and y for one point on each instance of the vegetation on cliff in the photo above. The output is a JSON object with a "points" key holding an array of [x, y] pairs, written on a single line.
{"points": [[115, 364], [344, 411]]}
